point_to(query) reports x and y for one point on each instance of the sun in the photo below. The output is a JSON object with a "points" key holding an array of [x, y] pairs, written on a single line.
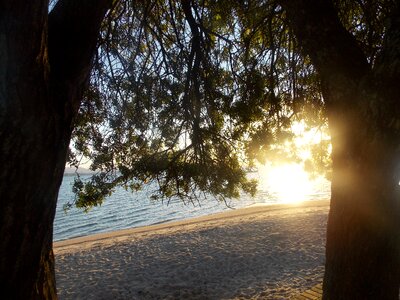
{"points": [[287, 183]]}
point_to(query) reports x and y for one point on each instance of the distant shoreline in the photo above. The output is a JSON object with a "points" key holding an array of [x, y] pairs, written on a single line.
{"points": [[70, 171], [124, 209]]}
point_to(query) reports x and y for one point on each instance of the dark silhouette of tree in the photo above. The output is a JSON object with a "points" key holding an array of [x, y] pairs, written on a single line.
{"points": [[45, 62], [361, 98], [188, 94]]}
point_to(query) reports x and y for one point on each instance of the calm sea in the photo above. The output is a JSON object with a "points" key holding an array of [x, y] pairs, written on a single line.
{"points": [[125, 210]]}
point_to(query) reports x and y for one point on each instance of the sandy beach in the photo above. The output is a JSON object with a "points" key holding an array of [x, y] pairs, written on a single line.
{"points": [[260, 252]]}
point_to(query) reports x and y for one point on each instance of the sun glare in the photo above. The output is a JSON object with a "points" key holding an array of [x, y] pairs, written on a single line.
{"points": [[288, 183]]}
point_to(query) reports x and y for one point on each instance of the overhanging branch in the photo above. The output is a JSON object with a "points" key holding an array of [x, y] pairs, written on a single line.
{"points": [[332, 49]]}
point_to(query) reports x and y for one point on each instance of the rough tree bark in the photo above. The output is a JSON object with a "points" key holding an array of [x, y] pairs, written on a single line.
{"points": [[44, 66], [362, 101]]}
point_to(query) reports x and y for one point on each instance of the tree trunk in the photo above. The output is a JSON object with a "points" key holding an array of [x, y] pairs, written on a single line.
{"points": [[45, 62], [31, 170], [26, 261], [362, 102], [362, 250], [363, 236]]}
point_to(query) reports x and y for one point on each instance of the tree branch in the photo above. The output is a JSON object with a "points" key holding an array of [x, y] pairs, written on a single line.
{"points": [[73, 31], [333, 50], [74, 27]]}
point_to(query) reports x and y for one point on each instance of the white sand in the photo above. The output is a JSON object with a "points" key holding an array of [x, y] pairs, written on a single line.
{"points": [[262, 252]]}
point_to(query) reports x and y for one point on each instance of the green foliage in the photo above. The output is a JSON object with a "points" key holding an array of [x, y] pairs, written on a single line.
{"points": [[189, 93], [91, 193]]}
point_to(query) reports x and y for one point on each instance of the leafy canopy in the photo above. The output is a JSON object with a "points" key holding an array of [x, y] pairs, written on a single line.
{"points": [[190, 93]]}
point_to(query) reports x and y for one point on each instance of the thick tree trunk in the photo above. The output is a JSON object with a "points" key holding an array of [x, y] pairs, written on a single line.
{"points": [[41, 85], [362, 252], [26, 261], [363, 236], [31, 156], [363, 241]]}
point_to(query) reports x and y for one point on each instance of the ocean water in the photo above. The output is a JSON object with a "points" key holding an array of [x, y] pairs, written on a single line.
{"points": [[126, 210]]}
